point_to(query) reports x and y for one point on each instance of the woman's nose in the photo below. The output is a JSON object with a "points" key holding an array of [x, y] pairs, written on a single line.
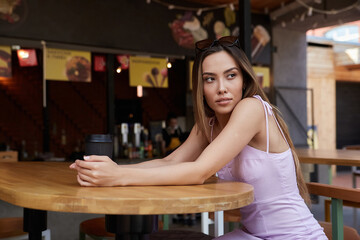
{"points": [[222, 88]]}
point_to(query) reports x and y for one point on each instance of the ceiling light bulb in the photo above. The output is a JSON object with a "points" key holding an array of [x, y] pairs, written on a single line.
{"points": [[169, 65], [302, 18], [118, 70], [310, 11], [232, 6]]}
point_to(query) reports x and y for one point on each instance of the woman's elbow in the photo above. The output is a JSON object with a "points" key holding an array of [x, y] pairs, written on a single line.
{"points": [[201, 178]]}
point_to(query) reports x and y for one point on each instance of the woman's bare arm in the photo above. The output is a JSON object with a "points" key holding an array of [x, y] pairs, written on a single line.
{"points": [[244, 124], [186, 152]]}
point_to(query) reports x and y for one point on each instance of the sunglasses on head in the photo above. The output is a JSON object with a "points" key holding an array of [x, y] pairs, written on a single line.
{"points": [[206, 44]]}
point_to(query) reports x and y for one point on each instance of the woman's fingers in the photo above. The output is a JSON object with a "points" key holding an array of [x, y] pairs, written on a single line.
{"points": [[86, 164], [96, 158], [94, 171], [83, 182]]}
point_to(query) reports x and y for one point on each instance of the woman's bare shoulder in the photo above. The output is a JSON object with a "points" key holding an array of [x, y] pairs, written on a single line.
{"points": [[250, 105]]}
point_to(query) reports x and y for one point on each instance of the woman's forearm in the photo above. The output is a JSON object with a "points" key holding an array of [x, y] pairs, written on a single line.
{"points": [[183, 173], [150, 164]]}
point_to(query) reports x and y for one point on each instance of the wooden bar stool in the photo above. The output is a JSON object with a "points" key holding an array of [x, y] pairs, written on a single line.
{"points": [[12, 229], [94, 228]]}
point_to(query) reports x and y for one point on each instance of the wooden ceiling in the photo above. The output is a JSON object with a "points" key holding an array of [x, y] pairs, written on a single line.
{"points": [[256, 5]]}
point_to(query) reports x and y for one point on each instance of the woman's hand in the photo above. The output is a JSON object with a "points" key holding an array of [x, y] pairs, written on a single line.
{"points": [[96, 171]]}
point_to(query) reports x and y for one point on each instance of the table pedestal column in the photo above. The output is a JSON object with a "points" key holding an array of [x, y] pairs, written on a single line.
{"points": [[131, 227], [35, 221]]}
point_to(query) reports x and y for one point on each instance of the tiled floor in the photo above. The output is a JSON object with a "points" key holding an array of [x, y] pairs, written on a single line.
{"points": [[351, 215]]}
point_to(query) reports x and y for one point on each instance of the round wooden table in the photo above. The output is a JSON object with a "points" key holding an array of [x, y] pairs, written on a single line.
{"points": [[52, 186], [332, 156]]}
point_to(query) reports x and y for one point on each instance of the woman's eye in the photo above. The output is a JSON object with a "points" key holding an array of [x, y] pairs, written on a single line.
{"points": [[231, 75], [209, 79]]}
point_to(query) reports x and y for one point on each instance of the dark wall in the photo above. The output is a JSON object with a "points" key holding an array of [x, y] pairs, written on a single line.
{"points": [[129, 25], [347, 114]]}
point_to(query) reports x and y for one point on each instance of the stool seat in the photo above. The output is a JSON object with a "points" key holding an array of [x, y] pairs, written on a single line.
{"points": [[179, 235], [349, 232], [11, 227], [95, 227], [232, 215]]}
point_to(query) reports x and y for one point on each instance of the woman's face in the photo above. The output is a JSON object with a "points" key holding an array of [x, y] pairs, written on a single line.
{"points": [[222, 81]]}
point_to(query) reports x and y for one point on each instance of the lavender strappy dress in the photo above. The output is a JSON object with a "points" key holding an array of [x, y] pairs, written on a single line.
{"points": [[278, 211]]}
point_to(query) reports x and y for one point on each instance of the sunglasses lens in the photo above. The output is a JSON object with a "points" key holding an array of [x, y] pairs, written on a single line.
{"points": [[228, 41], [201, 45]]}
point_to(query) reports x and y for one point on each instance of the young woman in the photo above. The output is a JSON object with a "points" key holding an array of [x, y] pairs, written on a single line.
{"points": [[240, 136]]}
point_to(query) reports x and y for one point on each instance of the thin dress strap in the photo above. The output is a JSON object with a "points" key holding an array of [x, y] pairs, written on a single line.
{"points": [[268, 110], [211, 124]]}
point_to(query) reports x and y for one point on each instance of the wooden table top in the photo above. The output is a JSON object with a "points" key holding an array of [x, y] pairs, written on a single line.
{"points": [[335, 156], [52, 186]]}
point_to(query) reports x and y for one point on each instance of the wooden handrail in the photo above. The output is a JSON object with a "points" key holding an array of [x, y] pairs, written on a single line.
{"points": [[348, 194]]}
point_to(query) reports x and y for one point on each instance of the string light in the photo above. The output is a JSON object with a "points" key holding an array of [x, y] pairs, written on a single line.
{"points": [[118, 70], [231, 6], [195, 9], [333, 11], [302, 17], [310, 10]]}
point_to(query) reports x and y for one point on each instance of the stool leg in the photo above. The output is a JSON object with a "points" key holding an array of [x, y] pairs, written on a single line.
{"points": [[166, 222], [46, 234], [337, 219], [205, 222], [219, 223], [231, 226], [82, 236]]}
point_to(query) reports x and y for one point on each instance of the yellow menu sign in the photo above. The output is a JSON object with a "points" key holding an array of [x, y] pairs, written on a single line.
{"points": [[5, 61], [148, 72], [68, 65]]}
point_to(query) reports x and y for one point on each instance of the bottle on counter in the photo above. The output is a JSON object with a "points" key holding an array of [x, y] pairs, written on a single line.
{"points": [[124, 140], [150, 150]]}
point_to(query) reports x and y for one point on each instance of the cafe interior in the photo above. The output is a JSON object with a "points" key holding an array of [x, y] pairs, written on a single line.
{"points": [[73, 68]]}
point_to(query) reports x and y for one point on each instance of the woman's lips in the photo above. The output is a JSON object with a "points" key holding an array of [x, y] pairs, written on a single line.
{"points": [[223, 101]]}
